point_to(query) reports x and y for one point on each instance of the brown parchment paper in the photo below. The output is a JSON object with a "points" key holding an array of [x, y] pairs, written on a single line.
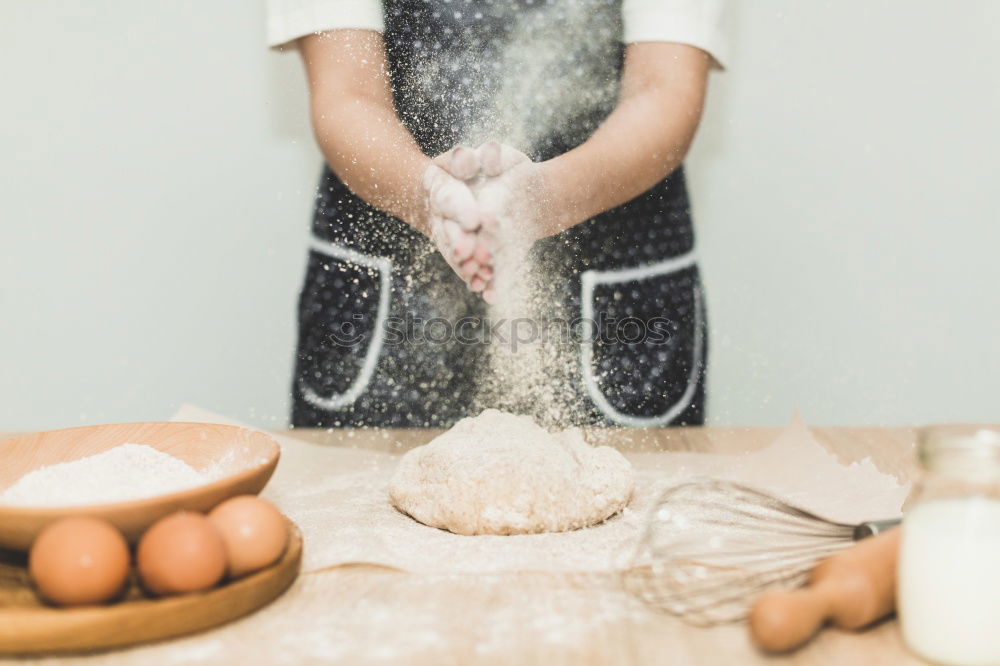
{"points": [[338, 497]]}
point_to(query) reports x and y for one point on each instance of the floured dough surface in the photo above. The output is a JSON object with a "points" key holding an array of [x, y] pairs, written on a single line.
{"points": [[499, 473]]}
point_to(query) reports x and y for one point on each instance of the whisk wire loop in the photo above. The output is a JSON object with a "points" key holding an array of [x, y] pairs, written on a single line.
{"points": [[711, 546]]}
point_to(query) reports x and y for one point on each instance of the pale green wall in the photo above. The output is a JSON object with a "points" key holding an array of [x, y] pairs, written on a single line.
{"points": [[157, 174]]}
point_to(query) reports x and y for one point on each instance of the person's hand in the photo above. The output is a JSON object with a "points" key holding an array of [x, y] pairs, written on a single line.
{"points": [[514, 198], [476, 168], [455, 219], [486, 204], [510, 193]]}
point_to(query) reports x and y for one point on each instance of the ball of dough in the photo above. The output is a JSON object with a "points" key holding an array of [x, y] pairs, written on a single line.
{"points": [[498, 473]]}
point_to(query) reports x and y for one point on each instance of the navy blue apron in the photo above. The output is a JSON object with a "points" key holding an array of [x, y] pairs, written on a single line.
{"points": [[379, 307]]}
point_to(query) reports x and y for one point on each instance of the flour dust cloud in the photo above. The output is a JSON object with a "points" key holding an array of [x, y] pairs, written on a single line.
{"points": [[542, 89]]}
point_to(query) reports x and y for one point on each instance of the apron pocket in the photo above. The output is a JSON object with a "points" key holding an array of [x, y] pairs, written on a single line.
{"points": [[342, 313], [642, 362]]}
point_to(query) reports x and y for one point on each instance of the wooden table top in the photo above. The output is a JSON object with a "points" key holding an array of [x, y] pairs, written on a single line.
{"points": [[467, 608]]}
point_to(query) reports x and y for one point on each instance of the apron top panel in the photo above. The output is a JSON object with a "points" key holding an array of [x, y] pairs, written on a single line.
{"points": [[540, 75]]}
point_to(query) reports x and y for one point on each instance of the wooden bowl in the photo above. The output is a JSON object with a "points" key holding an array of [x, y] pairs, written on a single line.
{"points": [[244, 460]]}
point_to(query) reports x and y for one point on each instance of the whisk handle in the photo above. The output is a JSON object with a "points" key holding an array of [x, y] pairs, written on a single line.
{"points": [[873, 527]]}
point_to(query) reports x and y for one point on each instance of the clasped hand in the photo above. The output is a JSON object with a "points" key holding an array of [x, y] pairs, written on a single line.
{"points": [[483, 205]]}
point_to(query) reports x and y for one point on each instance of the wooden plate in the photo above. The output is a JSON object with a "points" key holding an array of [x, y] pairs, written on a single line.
{"points": [[28, 627], [247, 459]]}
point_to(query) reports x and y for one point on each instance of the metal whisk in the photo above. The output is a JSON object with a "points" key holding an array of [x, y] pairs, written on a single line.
{"points": [[711, 547]]}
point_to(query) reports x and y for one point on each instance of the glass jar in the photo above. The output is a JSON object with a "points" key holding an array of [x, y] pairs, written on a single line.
{"points": [[949, 560]]}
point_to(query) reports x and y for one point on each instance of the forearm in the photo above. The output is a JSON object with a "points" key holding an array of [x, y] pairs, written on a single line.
{"points": [[373, 154], [630, 153], [642, 141], [355, 122]]}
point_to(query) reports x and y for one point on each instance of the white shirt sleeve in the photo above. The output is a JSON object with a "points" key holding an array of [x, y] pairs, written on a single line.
{"points": [[288, 20], [695, 22]]}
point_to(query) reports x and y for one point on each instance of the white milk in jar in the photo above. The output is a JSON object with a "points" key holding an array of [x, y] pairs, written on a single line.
{"points": [[949, 567]]}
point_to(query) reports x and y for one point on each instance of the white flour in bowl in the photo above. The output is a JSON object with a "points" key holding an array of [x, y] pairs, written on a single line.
{"points": [[126, 472]]}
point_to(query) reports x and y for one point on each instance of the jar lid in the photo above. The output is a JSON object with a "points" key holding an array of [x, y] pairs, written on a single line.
{"points": [[961, 448]]}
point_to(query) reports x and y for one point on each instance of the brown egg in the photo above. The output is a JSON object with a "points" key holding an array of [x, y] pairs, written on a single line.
{"points": [[79, 561], [254, 531], [181, 553]]}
